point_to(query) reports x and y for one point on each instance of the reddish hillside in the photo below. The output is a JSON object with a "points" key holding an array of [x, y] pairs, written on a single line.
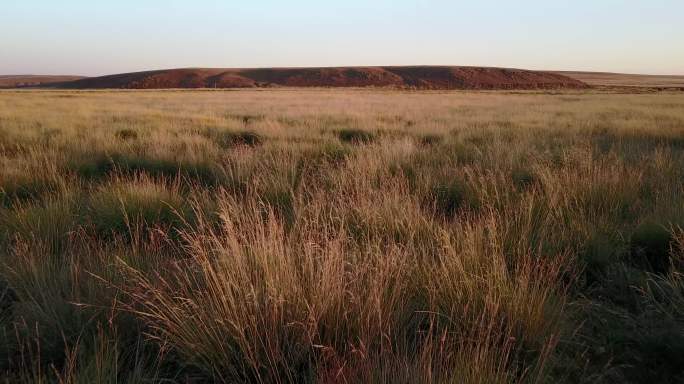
{"points": [[627, 80], [23, 81], [399, 77]]}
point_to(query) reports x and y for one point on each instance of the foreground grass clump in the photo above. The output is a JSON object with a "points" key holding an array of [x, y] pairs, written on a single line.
{"points": [[251, 236]]}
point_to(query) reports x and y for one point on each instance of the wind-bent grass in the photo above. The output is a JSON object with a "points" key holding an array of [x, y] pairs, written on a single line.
{"points": [[332, 236]]}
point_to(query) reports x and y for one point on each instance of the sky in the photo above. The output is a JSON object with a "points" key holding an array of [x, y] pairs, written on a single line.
{"points": [[97, 37]]}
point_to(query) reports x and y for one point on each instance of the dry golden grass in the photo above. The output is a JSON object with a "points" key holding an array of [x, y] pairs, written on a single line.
{"points": [[324, 236]]}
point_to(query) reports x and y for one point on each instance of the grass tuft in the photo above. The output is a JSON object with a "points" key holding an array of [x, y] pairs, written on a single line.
{"points": [[126, 134], [229, 139], [120, 206], [356, 136], [650, 248], [430, 139], [447, 199], [101, 166]]}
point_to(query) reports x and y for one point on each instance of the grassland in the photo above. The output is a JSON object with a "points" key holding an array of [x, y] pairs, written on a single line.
{"points": [[326, 236]]}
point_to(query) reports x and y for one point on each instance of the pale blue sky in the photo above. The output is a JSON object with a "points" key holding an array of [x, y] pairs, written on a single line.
{"points": [[94, 37]]}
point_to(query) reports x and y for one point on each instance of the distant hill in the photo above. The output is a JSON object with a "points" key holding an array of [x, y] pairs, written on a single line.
{"points": [[416, 77], [23, 81], [625, 80], [423, 77]]}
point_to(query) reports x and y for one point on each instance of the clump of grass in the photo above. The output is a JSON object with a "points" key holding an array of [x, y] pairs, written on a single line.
{"points": [[203, 172], [463, 153], [48, 222], [523, 177], [599, 253], [26, 189], [356, 136], [650, 247], [118, 207], [246, 118], [281, 203], [223, 271], [100, 166], [91, 165], [430, 139], [407, 170], [229, 139], [329, 153], [447, 199], [126, 134]]}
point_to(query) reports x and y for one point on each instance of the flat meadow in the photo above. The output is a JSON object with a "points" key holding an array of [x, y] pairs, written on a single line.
{"points": [[341, 236]]}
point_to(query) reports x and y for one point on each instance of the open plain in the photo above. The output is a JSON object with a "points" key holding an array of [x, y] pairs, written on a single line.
{"points": [[327, 236]]}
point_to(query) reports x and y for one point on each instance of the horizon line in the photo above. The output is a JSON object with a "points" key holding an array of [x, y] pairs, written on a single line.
{"points": [[607, 72]]}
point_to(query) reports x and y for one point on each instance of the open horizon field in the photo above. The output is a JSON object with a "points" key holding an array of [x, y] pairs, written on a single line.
{"points": [[341, 236]]}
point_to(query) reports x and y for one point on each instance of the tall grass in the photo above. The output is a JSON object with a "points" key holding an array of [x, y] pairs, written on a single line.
{"points": [[341, 236]]}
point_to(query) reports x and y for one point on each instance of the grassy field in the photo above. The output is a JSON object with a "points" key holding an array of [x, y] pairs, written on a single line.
{"points": [[341, 236]]}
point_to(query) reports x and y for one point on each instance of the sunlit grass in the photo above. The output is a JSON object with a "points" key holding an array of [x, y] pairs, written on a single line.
{"points": [[325, 236]]}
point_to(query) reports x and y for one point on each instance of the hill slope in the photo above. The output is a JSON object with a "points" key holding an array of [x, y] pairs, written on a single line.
{"points": [[626, 80], [23, 81], [401, 77]]}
